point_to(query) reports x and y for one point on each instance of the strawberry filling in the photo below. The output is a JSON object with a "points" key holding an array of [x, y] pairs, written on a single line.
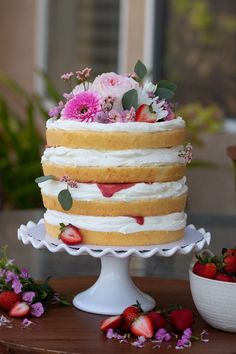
{"points": [[108, 190]]}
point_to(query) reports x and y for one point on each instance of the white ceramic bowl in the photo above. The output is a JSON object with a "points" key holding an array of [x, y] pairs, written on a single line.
{"points": [[215, 301]]}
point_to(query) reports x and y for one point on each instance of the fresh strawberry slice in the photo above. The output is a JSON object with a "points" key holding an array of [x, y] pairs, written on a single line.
{"points": [[139, 219], [113, 322], [158, 320], [70, 234], [20, 309], [224, 277], [131, 313], [181, 319], [144, 114], [142, 326], [109, 189], [8, 299]]}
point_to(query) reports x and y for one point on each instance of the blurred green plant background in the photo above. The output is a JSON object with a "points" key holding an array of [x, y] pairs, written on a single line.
{"points": [[22, 140]]}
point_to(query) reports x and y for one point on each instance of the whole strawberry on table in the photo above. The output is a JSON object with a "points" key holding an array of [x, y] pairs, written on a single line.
{"points": [[221, 267]]}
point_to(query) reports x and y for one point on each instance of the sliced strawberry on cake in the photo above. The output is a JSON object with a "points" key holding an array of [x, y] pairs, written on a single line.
{"points": [[144, 114], [69, 234]]}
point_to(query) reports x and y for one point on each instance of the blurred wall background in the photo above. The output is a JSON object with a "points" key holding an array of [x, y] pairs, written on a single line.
{"points": [[189, 42]]}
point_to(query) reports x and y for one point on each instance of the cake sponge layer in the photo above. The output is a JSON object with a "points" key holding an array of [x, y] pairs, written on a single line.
{"points": [[114, 140], [143, 238], [142, 207], [163, 173]]}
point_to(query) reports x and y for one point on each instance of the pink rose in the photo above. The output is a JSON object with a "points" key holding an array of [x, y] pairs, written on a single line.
{"points": [[114, 85]]}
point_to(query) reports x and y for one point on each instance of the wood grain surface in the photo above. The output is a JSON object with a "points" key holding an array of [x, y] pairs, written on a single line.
{"points": [[68, 330]]}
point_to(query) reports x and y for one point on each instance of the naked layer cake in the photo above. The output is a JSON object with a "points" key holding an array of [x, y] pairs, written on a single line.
{"points": [[114, 163]]}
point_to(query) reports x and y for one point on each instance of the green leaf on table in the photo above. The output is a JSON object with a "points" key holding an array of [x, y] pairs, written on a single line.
{"points": [[65, 199], [165, 89], [130, 99], [43, 179], [140, 70]]}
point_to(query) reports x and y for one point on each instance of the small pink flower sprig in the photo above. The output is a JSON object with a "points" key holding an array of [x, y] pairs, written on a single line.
{"points": [[187, 153], [21, 295], [80, 77]]}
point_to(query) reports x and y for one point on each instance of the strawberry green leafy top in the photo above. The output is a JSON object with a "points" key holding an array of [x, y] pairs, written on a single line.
{"points": [[111, 98]]}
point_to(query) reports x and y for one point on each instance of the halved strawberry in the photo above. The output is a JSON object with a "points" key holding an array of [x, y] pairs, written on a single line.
{"points": [[108, 189], [131, 313], [113, 322], [139, 219], [158, 320], [142, 326], [20, 309], [70, 234], [143, 114], [8, 299]]}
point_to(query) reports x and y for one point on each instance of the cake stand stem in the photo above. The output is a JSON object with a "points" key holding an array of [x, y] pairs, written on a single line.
{"points": [[113, 291]]}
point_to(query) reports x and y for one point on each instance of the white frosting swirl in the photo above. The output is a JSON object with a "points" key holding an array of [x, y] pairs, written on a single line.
{"points": [[140, 191], [122, 224], [113, 158], [141, 127]]}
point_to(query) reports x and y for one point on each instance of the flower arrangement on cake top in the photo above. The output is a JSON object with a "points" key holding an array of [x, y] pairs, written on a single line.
{"points": [[112, 98]]}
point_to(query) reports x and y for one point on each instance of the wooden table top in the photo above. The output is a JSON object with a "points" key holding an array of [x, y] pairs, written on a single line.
{"points": [[69, 330]]}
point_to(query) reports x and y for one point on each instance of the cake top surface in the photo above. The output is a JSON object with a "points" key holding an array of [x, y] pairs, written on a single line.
{"points": [[112, 100]]}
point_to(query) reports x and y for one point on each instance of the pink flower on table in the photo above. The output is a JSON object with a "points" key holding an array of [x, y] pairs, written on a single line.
{"points": [[24, 273], [82, 107], [162, 335], [28, 296], [26, 323], [114, 85], [16, 286], [67, 76], [37, 309]]}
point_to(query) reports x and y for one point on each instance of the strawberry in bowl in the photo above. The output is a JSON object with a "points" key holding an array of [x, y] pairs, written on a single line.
{"points": [[213, 287]]}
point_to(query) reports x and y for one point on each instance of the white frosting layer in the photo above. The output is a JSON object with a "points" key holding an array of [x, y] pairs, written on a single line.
{"points": [[112, 127], [91, 192], [122, 224], [88, 157]]}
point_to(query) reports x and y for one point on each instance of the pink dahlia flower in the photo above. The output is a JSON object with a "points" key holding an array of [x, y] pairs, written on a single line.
{"points": [[82, 107]]}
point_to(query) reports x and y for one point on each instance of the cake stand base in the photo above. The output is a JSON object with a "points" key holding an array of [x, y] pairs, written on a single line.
{"points": [[114, 277]]}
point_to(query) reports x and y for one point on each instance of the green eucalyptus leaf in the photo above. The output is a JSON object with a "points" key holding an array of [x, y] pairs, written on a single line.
{"points": [[65, 199], [130, 99], [140, 70], [165, 89], [43, 179]]}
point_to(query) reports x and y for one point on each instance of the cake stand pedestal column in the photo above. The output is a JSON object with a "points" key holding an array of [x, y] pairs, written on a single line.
{"points": [[114, 282]]}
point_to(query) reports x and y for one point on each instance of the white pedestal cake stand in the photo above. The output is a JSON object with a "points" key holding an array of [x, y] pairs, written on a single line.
{"points": [[114, 289]]}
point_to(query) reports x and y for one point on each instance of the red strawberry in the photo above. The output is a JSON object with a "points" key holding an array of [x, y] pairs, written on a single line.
{"points": [[8, 299], [158, 320], [70, 234], [130, 314], [181, 319], [224, 277], [113, 322], [229, 251], [230, 264], [198, 268], [142, 326], [144, 114], [109, 189], [209, 270], [20, 309]]}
